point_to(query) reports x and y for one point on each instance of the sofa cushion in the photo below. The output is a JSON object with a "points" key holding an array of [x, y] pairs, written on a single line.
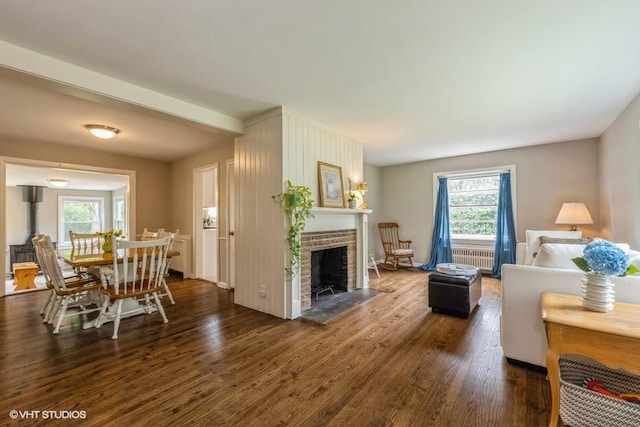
{"points": [[533, 240], [547, 239], [580, 241], [558, 255]]}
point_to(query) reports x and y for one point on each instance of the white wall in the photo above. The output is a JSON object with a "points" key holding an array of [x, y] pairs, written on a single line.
{"points": [[546, 176], [620, 177], [373, 178]]}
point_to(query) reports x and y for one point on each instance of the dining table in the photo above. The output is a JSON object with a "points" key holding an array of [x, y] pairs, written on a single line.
{"points": [[89, 258], [85, 258]]}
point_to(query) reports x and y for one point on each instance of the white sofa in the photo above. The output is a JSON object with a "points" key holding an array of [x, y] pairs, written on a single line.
{"points": [[523, 335]]}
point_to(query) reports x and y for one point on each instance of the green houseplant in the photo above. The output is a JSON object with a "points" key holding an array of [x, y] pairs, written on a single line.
{"points": [[297, 203]]}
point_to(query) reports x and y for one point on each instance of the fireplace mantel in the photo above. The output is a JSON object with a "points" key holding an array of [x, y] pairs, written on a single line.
{"points": [[331, 219], [339, 211]]}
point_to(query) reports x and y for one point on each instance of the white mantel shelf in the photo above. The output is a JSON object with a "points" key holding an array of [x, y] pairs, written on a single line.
{"points": [[339, 211]]}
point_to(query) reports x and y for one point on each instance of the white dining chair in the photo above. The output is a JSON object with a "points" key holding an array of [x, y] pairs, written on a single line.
{"points": [[49, 303], [85, 242], [172, 237], [150, 235], [138, 277], [52, 302], [79, 291]]}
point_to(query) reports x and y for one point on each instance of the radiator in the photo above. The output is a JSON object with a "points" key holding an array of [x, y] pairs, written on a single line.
{"points": [[481, 257]]}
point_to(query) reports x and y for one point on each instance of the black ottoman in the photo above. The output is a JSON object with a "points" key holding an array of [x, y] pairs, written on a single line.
{"points": [[457, 295]]}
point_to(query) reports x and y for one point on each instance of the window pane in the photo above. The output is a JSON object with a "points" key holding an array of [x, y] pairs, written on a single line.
{"points": [[81, 216], [119, 214], [473, 205], [481, 198]]}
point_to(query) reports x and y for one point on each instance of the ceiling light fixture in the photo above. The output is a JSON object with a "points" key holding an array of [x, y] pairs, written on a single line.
{"points": [[58, 182], [101, 131]]}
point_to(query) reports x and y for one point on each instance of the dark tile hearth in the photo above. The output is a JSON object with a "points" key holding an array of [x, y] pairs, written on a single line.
{"points": [[329, 306]]}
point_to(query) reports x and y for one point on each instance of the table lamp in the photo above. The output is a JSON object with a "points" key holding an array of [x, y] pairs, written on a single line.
{"points": [[362, 188], [574, 214]]}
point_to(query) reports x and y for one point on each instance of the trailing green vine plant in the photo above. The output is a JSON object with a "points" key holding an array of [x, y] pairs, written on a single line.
{"points": [[297, 203]]}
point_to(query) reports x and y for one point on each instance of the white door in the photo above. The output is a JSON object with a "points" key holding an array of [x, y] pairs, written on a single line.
{"points": [[231, 253]]}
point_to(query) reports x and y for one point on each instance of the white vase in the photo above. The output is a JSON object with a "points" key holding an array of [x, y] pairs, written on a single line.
{"points": [[597, 292]]}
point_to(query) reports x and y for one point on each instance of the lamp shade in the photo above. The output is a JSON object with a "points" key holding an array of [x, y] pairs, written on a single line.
{"points": [[362, 186], [573, 214]]}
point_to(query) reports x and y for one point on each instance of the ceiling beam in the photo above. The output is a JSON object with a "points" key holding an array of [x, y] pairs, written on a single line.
{"points": [[52, 69]]}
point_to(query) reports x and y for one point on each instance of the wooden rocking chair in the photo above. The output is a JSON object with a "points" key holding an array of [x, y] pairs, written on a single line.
{"points": [[394, 248]]}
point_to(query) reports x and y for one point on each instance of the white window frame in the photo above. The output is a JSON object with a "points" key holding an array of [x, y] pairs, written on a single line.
{"points": [[476, 240], [120, 199], [63, 241]]}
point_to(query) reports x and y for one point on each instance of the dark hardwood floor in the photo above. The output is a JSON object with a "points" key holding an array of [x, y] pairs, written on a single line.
{"points": [[386, 362]]}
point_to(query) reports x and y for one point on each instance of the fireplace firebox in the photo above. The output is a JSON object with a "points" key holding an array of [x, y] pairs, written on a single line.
{"points": [[329, 271], [316, 241]]}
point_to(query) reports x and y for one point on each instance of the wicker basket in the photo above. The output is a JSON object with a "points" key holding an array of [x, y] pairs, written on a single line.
{"points": [[580, 406]]}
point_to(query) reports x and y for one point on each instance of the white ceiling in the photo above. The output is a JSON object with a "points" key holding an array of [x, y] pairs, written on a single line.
{"points": [[410, 79]]}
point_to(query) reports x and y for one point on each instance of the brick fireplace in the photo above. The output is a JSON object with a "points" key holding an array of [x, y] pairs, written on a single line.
{"points": [[330, 228], [316, 241]]}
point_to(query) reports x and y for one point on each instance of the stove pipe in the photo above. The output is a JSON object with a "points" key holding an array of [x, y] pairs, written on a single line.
{"points": [[32, 194]]}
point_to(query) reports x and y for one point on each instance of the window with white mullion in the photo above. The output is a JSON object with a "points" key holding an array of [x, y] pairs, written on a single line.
{"points": [[473, 202], [79, 214], [473, 205]]}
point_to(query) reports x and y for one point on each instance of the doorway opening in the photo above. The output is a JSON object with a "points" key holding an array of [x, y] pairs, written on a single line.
{"points": [[205, 186], [111, 186]]}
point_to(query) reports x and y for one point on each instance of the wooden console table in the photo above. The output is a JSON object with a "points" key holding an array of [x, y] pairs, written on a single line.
{"points": [[612, 338]]}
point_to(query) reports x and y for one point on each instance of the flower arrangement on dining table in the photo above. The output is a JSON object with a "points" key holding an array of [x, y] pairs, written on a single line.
{"points": [[108, 236]]}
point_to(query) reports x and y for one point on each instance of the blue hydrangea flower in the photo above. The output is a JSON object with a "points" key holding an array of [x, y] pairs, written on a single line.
{"points": [[605, 258]]}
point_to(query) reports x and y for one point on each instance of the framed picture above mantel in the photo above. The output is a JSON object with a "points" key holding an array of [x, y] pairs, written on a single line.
{"points": [[330, 182]]}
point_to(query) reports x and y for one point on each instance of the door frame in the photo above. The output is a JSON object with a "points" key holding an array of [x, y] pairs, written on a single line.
{"points": [[230, 231], [198, 205], [130, 198]]}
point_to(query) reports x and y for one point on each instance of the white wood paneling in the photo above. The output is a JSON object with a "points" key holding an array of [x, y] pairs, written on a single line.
{"points": [[260, 224], [306, 142], [277, 146]]}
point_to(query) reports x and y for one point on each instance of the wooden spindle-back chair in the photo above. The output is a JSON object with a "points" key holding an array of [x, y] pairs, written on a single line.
{"points": [[394, 248], [80, 291], [139, 277]]}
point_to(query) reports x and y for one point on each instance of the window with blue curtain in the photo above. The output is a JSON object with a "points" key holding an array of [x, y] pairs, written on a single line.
{"points": [[479, 218], [505, 248]]}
